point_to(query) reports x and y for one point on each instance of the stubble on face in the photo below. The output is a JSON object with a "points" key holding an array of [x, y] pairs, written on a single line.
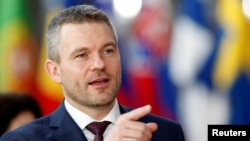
{"points": [[99, 99]]}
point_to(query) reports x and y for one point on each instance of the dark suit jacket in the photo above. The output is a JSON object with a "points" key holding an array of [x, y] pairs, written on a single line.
{"points": [[59, 126]]}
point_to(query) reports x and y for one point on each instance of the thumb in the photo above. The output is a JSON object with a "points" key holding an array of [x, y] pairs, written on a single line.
{"points": [[152, 126]]}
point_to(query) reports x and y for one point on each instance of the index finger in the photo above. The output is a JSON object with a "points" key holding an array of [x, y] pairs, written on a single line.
{"points": [[138, 113]]}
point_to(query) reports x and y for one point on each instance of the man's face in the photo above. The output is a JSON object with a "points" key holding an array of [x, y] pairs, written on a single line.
{"points": [[89, 68]]}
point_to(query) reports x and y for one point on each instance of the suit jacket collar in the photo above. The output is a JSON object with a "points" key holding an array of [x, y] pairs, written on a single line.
{"points": [[64, 127], [124, 109]]}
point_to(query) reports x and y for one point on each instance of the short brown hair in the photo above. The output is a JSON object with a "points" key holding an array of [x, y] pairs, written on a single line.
{"points": [[73, 14]]}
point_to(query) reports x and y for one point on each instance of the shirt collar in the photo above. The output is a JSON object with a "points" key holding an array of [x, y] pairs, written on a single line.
{"points": [[82, 119]]}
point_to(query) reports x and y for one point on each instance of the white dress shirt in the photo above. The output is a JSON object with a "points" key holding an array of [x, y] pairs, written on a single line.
{"points": [[82, 119]]}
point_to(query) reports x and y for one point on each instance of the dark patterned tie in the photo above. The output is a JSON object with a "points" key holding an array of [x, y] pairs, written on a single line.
{"points": [[98, 128]]}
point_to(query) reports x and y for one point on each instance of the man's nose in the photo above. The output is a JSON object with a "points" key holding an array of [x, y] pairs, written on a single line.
{"points": [[97, 62]]}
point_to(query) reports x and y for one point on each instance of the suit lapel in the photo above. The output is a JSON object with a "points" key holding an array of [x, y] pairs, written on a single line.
{"points": [[63, 126]]}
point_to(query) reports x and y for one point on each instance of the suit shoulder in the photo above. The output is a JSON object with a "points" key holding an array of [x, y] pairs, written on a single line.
{"points": [[167, 128]]}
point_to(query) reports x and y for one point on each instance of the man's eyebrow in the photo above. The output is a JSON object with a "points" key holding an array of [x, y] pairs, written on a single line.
{"points": [[79, 49], [84, 48], [111, 43]]}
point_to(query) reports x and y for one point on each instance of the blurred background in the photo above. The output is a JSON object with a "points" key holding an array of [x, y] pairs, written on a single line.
{"points": [[189, 59]]}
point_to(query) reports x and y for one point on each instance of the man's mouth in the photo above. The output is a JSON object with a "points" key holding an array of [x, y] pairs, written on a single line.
{"points": [[99, 82]]}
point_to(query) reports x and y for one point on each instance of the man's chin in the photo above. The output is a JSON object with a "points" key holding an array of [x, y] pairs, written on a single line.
{"points": [[104, 102]]}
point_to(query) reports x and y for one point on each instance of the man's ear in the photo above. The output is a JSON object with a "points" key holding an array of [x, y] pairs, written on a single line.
{"points": [[52, 69]]}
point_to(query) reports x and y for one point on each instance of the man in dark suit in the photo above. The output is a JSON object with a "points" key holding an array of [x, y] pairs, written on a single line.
{"points": [[83, 57]]}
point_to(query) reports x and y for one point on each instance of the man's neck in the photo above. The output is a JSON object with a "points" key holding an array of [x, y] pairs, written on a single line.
{"points": [[95, 112]]}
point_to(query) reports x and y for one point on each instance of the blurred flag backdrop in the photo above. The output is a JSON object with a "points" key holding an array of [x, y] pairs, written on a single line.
{"points": [[189, 59], [232, 69], [18, 47]]}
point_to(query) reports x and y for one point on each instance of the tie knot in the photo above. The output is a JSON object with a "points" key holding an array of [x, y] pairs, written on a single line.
{"points": [[97, 127]]}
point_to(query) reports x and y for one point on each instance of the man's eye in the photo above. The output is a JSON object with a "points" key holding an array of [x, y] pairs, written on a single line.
{"points": [[81, 55], [108, 51]]}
